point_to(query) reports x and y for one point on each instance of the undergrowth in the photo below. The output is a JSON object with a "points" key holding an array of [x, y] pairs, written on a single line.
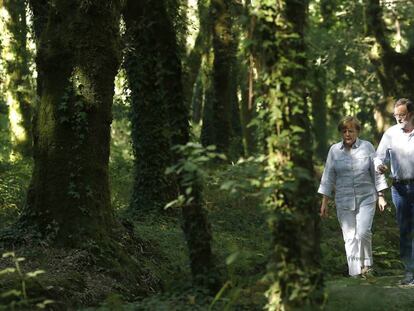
{"points": [[240, 243]]}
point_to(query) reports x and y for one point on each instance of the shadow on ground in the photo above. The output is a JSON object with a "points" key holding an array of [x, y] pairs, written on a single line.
{"points": [[376, 294]]}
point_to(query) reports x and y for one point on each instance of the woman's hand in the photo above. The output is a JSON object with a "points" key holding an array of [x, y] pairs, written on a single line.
{"points": [[324, 207], [382, 204]]}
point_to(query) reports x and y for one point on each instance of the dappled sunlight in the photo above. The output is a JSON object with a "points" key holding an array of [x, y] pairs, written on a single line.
{"points": [[19, 134]]}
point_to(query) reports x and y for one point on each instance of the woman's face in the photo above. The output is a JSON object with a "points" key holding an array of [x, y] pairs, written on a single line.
{"points": [[349, 134]]}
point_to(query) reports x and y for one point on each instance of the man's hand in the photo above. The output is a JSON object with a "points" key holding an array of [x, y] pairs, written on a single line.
{"points": [[382, 168], [324, 210], [382, 204]]}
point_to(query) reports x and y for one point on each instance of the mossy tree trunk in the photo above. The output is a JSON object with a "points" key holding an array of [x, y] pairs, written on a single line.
{"points": [[18, 87], [150, 74], [78, 55], [294, 263], [159, 86], [393, 68]]}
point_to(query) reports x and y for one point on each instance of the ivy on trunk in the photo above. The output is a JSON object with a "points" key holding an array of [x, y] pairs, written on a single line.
{"points": [[68, 200]]}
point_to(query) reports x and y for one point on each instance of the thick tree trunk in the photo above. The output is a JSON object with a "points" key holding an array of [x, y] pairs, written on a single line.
{"points": [[18, 87], [295, 259], [78, 56]]}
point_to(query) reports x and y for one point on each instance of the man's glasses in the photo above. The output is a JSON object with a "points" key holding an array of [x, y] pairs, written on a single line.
{"points": [[400, 115]]}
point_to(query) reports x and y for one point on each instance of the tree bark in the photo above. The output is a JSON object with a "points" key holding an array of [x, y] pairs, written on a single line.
{"points": [[78, 55]]}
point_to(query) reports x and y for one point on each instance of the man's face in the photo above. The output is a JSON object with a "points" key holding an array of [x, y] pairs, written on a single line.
{"points": [[402, 116]]}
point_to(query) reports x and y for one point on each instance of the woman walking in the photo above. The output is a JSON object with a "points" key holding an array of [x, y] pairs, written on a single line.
{"points": [[349, 172]]}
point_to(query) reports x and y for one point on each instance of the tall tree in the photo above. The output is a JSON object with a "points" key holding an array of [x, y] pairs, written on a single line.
{"points": [[294, 262], [78, 56], [18, 87], [162, 90]]}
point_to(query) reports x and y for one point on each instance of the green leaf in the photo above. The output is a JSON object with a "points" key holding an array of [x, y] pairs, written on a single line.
{"points": [[12, 292], [232, 258], [7, 270], [8, 254], [34, 273]]}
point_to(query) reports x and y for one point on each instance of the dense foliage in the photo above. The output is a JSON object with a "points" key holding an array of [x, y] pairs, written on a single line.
{"points": [[164, 155]]}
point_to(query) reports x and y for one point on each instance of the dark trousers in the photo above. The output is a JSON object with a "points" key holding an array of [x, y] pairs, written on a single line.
{"points": [[403, 199]]}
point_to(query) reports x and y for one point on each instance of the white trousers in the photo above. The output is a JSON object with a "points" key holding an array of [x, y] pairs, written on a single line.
{"points": [[356, 229]]}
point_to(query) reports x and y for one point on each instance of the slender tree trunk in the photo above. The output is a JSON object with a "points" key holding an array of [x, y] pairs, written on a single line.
{"points": [[222, 43], [247, 114], [78, 55], [295, 259], [197, 100], [194, 60], [208, 132], [319, 112], [247, 81], [18, 86]]}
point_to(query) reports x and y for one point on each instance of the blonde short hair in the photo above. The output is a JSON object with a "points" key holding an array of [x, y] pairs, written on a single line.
{"points": [[349, 119]]}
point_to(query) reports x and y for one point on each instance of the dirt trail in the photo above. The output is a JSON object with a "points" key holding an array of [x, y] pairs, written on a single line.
{"points": [[375, 294]]}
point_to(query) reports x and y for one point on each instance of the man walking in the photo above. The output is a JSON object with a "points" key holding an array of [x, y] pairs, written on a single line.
{"points": [[397, 149]]}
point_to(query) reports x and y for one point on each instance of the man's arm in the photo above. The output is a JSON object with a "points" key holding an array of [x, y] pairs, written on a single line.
{"points": [[382, 155]]}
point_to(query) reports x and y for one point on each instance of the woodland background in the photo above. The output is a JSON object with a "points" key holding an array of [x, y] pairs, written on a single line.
{"points": [[165, 154]]}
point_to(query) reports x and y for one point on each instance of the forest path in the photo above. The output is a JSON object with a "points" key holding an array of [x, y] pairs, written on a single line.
{"points": [[380, 293]]}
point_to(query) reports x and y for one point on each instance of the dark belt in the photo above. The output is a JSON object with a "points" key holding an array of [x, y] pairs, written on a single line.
{"points": [[403, 181]]}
